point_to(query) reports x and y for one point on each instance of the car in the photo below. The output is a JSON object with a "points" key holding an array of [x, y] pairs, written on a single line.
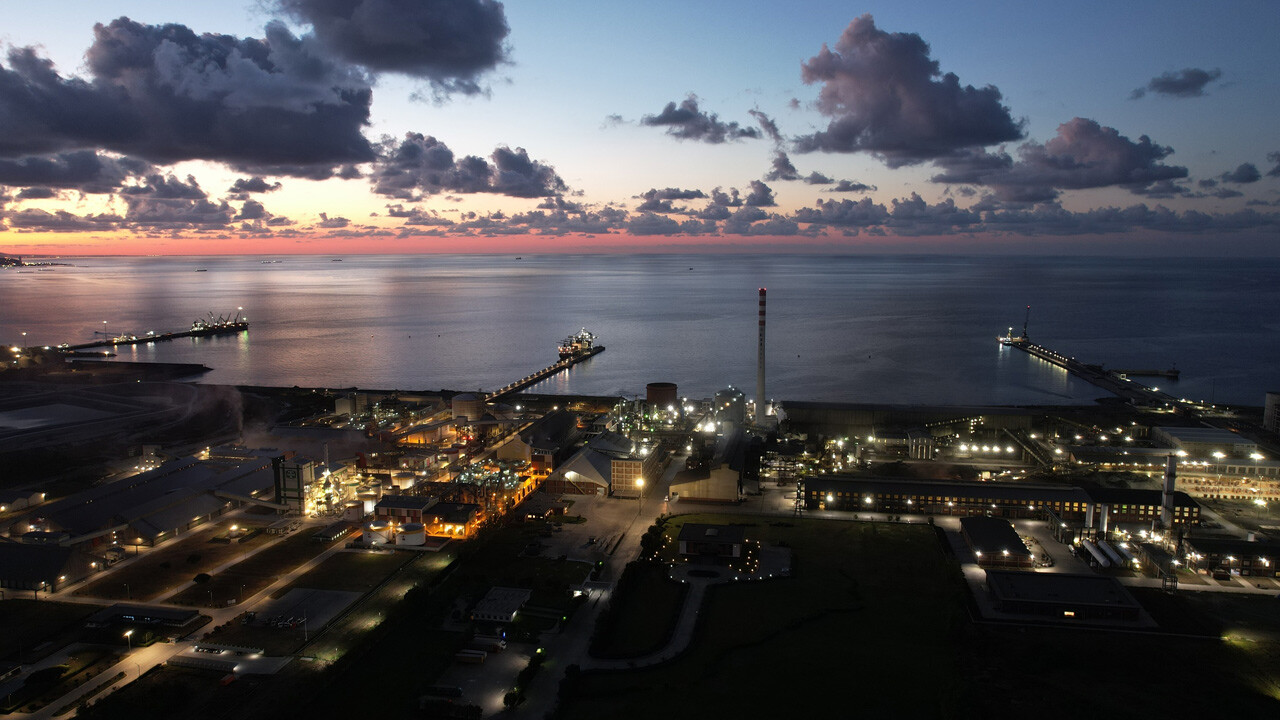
{"points": [[591, 540]]}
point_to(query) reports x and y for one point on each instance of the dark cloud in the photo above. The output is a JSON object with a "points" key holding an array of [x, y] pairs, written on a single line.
{"points": [[1243, 175], [1185, 83], [60, 221], [656, 200], [251, 210], [767, 124], [420, 165], [887, 97], [850, 186], [36, 193], [761, 195], [687, 122], [1163, 190], [167, 187], [817, 178], [844, 213], [447, 42], [253, 184], [1082, 155], [782, 169], [1275, 158], [157, 213], [332, 223], [165, 94], [83, 170]]}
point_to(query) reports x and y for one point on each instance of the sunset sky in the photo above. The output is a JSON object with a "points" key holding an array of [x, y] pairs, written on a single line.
{"points": [[374, 126]]}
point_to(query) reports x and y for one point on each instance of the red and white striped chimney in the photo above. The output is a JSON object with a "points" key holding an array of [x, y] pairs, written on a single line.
{"points": [[760, 398]]}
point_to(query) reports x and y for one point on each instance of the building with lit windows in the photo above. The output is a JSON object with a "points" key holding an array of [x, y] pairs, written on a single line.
{"points": [[1094, 507]]}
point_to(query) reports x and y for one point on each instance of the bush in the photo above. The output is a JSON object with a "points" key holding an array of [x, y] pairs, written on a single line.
{"points": [[201, 579]]}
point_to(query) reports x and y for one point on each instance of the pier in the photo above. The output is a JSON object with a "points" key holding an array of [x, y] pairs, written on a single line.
{"points": [[1112, 381], [544, 373], [198, 329]]}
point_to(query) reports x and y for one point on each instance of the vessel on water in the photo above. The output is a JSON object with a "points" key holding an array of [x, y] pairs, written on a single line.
{"points": [[576, 344]]}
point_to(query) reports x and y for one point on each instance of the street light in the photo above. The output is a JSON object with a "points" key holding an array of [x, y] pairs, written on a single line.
{"points": [[128, 636]]}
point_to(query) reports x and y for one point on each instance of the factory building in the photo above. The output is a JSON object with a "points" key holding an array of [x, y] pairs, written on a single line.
{"points": [[995, 543], [44, 567], [1203, 442], [545, 444], [609, 464], [157, 504], [730, 406], [1271, 412], [402, 508], [1238, 557], [1095, 507]]}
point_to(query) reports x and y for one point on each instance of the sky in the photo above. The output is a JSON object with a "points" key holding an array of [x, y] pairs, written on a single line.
{"points": [[386, 126]]}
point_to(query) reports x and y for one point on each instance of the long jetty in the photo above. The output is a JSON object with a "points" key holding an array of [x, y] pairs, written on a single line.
{"points": [[1109, 380], [544, 373], [228, 327]]}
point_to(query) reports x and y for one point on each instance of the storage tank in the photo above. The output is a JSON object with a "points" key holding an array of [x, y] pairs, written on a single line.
{"points": [[353, 511], [368, 500], [377, 532], [404, 479], [731, 405], [661, 394], [412, 534], [467, 406]]}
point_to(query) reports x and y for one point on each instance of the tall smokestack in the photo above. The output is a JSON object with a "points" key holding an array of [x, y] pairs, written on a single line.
{"points": [[1166, 498], [760, 399]]}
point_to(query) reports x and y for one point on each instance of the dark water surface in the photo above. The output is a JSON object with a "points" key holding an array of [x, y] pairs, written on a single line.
{"points": [[853, 329]]}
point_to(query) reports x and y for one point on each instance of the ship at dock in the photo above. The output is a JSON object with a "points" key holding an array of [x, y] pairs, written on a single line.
{"points": [[577, 344]]}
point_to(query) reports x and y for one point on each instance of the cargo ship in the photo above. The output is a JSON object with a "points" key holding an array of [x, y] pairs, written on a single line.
{"points": [[576, 344]]}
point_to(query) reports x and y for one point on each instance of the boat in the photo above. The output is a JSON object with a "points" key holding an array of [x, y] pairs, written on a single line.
{"points": [[576, 344], [202, 269]]}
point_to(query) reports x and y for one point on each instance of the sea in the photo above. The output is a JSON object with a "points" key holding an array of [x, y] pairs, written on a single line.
{"points": [[858, 329]]}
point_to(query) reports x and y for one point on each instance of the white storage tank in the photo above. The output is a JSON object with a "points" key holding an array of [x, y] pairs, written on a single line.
{"points": [[405, 479], [412, 534], [377, 532], [368, 500], [353, 511]]}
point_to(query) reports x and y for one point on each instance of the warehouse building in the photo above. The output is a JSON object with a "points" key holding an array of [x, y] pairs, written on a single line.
{"points": [[995, 543], [1062, 596], [1237, 557]]}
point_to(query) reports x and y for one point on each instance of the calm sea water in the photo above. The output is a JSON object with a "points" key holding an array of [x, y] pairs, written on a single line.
{"points": [[851, 329]]}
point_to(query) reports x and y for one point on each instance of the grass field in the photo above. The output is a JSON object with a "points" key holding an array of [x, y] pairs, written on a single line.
{"points": [[869, 610], [159, 570], [641, 615], [349, 571], [254, 573], [31, 623]]}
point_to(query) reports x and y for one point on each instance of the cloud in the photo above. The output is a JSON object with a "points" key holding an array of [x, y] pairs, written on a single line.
{"points": [[850, 186], [1082, 155], [449, 43], [687, 122], [767, 124], [1185, 83], [782, 168], [656, 200], [251, 210], [36, 219], [887, 97], [761, 195], [253, 184], [844, 213], [332, 223], [84, 170], [420, 165], [1243, 175], [1275, 158], [165, 94]]}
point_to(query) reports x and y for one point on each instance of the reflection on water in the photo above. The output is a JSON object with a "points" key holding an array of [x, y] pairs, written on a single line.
{"points": [[853, 329]]}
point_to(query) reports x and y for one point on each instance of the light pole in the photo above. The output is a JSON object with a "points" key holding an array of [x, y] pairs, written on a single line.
{"points": [[128, 636], [128, 593], [639, 495]]}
